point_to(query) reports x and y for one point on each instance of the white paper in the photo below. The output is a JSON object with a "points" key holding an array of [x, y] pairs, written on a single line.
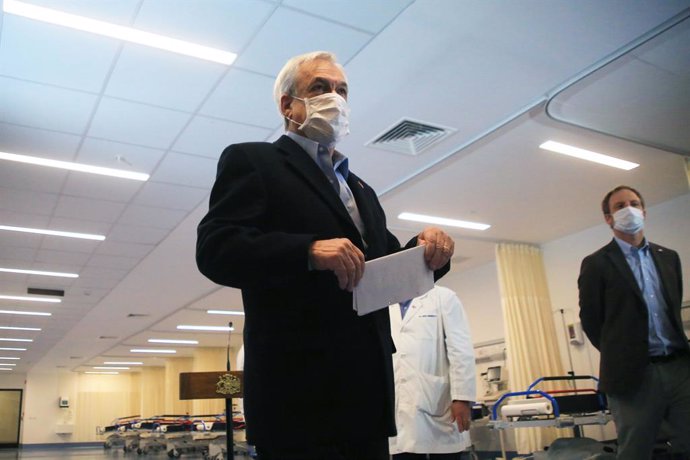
{"points": [[392, 279]]}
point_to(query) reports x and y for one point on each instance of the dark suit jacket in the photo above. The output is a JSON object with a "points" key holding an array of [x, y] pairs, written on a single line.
{"points": [[614, 313], [315, 372]]}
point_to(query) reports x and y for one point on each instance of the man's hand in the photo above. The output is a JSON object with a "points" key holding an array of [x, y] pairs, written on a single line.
{"points": [[340, 256], [439, 247], [462, 414]]}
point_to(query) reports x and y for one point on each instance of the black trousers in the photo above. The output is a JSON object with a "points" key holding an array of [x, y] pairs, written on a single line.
{"points": [[371, 449]]}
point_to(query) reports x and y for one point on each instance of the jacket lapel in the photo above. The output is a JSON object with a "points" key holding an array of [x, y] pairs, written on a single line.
{"points": [[666, 273], [615, 254], [302, 164]]}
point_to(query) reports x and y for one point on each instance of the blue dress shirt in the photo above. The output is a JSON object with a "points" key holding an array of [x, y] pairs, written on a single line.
{"points": [[662, 337], [337, 164]]}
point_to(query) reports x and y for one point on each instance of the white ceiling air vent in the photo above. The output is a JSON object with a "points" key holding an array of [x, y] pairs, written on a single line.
{"points": [[410, 137]]}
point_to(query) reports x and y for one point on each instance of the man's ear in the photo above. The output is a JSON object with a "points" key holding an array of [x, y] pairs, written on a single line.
{"points": [[609, 220], [286, 105]]}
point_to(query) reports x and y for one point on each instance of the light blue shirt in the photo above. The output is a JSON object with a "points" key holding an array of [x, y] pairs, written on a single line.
{"points": [[340, 165], [662, 336], [404, 305]]}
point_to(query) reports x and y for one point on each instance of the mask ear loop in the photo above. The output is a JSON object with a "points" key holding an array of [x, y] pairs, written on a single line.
{"points": [[299, 125]]}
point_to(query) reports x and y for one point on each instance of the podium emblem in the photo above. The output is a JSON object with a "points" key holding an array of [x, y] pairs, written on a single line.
{"points": [[228, 384]]}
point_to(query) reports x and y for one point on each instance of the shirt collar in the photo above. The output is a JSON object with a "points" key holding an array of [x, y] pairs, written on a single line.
{"points": [[340, 161], [628, 248]]}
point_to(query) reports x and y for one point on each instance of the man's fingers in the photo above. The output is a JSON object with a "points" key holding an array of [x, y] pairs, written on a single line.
{"points": [[439, 247], [340, 256]]}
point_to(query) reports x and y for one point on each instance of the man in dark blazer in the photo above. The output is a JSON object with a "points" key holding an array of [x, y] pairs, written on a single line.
{"points": [[291, 226], [630, 298]]}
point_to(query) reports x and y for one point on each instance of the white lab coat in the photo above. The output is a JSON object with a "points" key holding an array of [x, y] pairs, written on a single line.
{"points": [[434, 364]]}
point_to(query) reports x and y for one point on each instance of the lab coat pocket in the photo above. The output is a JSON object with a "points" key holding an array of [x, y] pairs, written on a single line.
{"points": [[433, 397]]}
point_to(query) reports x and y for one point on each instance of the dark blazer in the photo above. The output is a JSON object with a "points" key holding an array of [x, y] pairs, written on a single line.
{"points": [[315, 372], [614, 313]]}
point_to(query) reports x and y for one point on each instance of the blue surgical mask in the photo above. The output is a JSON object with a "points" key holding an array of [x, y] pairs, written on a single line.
{"points": [[628, 220]]}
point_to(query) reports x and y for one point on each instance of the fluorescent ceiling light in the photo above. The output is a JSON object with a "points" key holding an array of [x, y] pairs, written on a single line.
{"points": [[40, 231], [27, 313], [109, 368], [102, 373], [71, 166], [152, 350], [187, 327], [588, 155], [30, 299], [15, 328], [132, 363], [38, 272], [8, 364], [118, 32], [181, 342], [9, 357], [12, 349], [7, 339], [6, 369], [442, 221], [225, 312]]}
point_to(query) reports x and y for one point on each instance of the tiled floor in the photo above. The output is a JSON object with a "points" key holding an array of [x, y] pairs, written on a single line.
{"points": [[92, 453]]}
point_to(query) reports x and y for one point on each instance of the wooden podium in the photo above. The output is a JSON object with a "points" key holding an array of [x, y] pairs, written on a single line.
{"points": [[215, 385]]}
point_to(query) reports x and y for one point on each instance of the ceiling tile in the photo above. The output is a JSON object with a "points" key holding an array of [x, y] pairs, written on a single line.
{"points": [[46, 282], [79, 225], [264, 56], [114, 248], [20, 201], [38, 142], [110, 261], [170, 196], [22, 218], [47, 53], [208, 137], [153, 217], [95, 284], [16, 252], [224, 24], [61, 258], [43, 106], [137, 234], [87, 209], [114, 11], [139, 124], [182, 169], [161, 78], [31, 177], [87, 289], [104, 273], [118, 155], [244, 97], [360, 14], [101, 187], [69, 245]]}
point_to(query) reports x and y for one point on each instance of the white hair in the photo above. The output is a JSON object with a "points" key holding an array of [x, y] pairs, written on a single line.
{"points": [[286, 79]]}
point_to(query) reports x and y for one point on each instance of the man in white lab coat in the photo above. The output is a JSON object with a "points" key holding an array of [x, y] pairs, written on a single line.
{"points": [[434, 377]]}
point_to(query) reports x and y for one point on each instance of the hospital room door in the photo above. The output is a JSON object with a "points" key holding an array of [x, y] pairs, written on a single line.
{"points": [[11, 409]]}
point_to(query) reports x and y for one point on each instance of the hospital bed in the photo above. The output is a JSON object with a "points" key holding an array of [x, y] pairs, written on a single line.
{"points": [[570, 407]]}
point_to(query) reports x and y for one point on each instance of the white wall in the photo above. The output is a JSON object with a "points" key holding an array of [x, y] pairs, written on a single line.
{"points": [[41, 410], [12, 381]]}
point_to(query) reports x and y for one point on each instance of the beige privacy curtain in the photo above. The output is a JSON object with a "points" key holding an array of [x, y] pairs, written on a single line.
{"points": [[531, 341]]}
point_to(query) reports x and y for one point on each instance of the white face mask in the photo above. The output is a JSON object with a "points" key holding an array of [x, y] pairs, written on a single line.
{"points": [[628, 220], [327, 118]]}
